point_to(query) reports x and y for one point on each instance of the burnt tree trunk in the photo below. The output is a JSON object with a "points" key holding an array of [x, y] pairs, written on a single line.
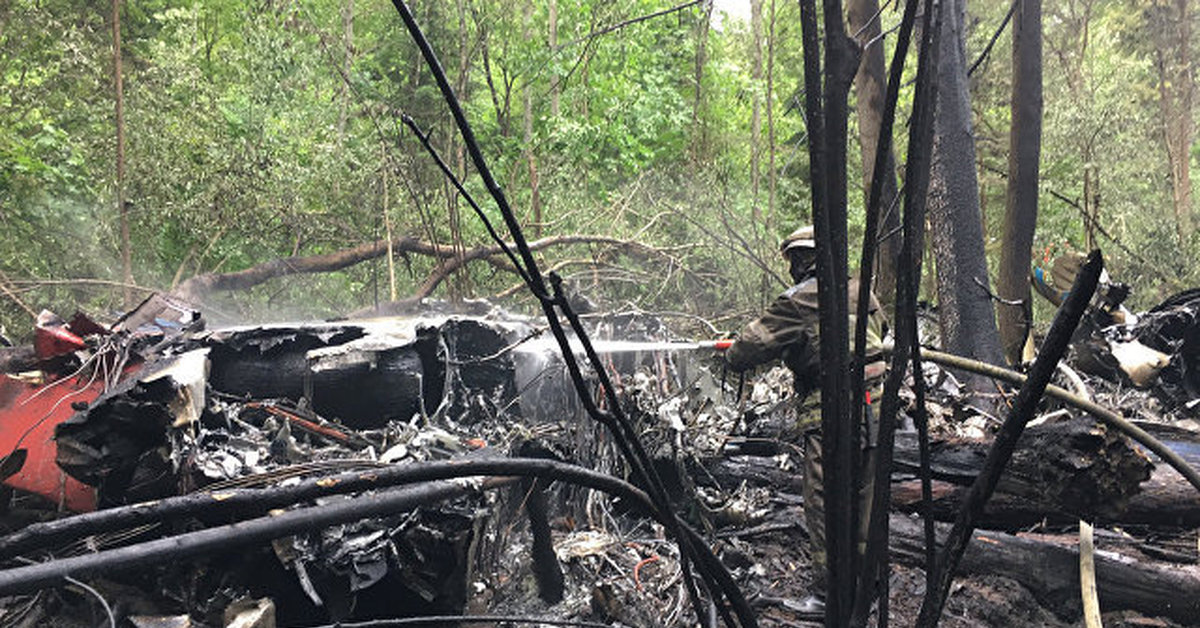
{"points": [[1021, 204], [1163, 501], [826, 106], [967, 319], [1051, 572], [1059, 472]]}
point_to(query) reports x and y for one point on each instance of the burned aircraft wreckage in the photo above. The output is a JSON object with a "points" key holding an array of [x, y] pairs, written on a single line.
{"points": [[286, 437], [153, 410]]}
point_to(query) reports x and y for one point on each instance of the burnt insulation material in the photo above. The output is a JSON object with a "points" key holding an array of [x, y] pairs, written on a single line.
{"points": [[362, 395]]}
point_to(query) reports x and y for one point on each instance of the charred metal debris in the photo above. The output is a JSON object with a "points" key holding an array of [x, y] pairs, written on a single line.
{"points": [[246, 467], [442, 465]]}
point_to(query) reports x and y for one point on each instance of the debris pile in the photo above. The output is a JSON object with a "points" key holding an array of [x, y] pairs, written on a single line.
{"points": [[305, 474]]}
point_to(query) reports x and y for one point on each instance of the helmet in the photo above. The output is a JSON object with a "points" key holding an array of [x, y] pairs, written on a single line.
{"points": [[803, 238]]}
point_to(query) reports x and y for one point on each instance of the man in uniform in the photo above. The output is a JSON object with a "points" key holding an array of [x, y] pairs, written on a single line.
{"points": [[788, 330]]}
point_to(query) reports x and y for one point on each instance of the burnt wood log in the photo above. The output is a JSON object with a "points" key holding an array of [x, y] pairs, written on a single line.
{"points": [[1162, 499], [1060, 472], [1076, 469], [1051, 572]]}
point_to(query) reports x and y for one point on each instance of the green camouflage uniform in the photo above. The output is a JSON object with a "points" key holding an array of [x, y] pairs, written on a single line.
{"points": [[789, 331]]}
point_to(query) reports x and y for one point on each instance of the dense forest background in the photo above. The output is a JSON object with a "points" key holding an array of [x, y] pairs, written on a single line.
{"points": [[661, 159]]}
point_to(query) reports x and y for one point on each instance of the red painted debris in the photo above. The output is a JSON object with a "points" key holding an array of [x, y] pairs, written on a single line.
{"points": [[28, 414], [54, 341]]}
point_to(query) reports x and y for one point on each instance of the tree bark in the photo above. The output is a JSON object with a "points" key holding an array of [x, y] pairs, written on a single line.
{"points": [[122, 206], [1021, 201], [1171, 32], [756, 75], [966, 318], [771, 178], [871, 85], [699, 139], [1051, 572]]}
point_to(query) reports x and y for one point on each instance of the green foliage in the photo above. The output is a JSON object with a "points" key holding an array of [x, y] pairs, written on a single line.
{"points": [[258, 130]]}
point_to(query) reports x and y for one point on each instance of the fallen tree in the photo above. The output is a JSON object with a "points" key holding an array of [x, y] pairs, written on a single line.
{"points": [[1161, 499], [1051, 572], [449, 260], [1060, 472]]}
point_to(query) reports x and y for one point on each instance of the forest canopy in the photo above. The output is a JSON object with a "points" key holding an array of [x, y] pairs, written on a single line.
{"points": [[659, 149]]}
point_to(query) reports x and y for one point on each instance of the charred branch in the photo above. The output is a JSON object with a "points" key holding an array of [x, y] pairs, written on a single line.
{"points": [[1055, 345], [221, 538], [631, 448], [1166, 590], [882, 174]]}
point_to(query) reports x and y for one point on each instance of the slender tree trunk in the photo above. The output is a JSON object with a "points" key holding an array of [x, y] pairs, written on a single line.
{"points": [[122, 206], [771, 179], [555, 88], [1091, 199], [699, 141], [826, 108], [347, 61], [535, 203], [1172, 34], [387, 223], [967, 319], [871, 83], [344, 89], [756, 76], [460, 285], [1021, 200]]}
